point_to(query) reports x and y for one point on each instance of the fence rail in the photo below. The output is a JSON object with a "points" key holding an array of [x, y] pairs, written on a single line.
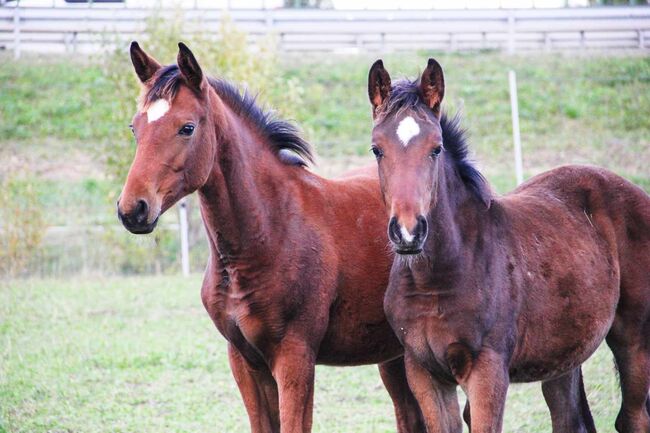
{"points": [[84, 28]]}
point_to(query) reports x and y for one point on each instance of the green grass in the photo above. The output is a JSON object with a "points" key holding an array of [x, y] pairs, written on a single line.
{"points": [[45, 97], [584, 109], [573, 108], [600, 97], [141, 355], [62, 118]]}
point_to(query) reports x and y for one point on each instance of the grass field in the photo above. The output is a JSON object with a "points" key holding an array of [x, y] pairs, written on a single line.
{"points": [[573, 108], [141, 355], [58, 122]]}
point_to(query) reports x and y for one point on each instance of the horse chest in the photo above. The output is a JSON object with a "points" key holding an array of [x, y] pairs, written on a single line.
{"points": [[427, 325], [244, 318]]}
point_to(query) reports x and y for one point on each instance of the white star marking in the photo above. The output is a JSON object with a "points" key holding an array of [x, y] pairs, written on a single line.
{"points": [[157, 110], [407, 129]]}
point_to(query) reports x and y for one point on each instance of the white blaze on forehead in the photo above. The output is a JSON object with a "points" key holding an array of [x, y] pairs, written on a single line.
{"points": [[157, 110], [407, 129], [408, 237]]}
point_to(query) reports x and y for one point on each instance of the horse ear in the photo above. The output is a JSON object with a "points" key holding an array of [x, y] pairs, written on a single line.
{"points": [[189, 67], [432, 86], [145, 65], [378, 85]]}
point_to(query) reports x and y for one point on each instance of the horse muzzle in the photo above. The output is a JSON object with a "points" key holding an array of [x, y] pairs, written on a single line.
{"points": [[405, 241], [137, 219]]}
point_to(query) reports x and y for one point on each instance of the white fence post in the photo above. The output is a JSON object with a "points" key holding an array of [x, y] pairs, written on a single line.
{"points": [[641, 39], [185, 247], [16, 32], [511, 33], [514, 106]]}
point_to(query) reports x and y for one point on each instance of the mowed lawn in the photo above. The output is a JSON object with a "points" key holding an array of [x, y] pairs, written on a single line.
{"points": [[141, 355]]}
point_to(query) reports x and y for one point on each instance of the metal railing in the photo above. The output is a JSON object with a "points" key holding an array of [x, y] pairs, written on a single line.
{"points": [[85, 28]]}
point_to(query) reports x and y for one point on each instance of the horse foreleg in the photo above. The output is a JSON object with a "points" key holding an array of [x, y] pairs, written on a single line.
{"points": [[259, 392], [407, 412], [438, 401], [486, 387], [567, 402], [293, 369]]}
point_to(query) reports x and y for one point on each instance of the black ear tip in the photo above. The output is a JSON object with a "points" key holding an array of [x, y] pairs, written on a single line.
{"points": [[379, 63], [134, 46], [183, 47], [433, 63]]}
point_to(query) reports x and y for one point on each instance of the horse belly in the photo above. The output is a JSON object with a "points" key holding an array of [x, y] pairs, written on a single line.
{"points": [[354, 342], [564, 322], [555, 361]]}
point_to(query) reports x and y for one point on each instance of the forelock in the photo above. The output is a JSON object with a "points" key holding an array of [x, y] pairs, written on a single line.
{"points": [[404, 96], [166, 83]]}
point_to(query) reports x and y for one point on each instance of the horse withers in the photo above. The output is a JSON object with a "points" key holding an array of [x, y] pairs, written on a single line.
{"points": [[489, 290], [297, 269]]}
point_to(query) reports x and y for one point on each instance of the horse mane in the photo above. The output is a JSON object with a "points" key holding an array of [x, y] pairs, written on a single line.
{"points": [[283, 136], [405, 95]]}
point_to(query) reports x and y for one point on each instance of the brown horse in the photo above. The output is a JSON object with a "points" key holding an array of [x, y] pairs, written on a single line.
{"points": [[298, 265], [486, 290]]}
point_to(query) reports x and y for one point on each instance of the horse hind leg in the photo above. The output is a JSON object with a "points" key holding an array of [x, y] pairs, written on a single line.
{"points": [[407, 411], [567, 402], [629, 336], [631, 350]]}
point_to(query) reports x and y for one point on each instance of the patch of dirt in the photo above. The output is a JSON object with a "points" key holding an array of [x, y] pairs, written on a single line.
{"points": [[50, 160]]}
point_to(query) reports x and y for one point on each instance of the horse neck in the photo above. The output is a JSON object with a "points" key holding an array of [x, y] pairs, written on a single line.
{"points": [[241, 197], [456, 221]]}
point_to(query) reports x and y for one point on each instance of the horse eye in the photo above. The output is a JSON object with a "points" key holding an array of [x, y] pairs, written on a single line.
{"points": [[435, 152], [377, 152], [187, 130]]}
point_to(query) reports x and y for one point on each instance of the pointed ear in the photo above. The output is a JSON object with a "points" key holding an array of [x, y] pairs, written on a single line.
{"points": [[189, 67], [378, 85], [145, 65], [432, 86]]}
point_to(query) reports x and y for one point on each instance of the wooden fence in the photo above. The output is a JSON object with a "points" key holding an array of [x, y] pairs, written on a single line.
{"points": [[84, 28]]}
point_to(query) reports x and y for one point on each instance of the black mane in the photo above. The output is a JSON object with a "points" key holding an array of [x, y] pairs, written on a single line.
{"points": [[283, 136], [405, 95]]}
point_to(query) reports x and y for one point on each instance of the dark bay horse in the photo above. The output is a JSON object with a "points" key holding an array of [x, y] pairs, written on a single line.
{"points": [[298, 265], [489, 290]]}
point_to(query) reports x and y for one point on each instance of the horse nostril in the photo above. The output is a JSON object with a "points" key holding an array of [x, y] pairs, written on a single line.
{"points": [[141, 211], [394, 233], [421, 227]]}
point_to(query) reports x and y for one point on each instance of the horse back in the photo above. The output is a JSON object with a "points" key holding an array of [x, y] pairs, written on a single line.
{"points": [[605, 199]]}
